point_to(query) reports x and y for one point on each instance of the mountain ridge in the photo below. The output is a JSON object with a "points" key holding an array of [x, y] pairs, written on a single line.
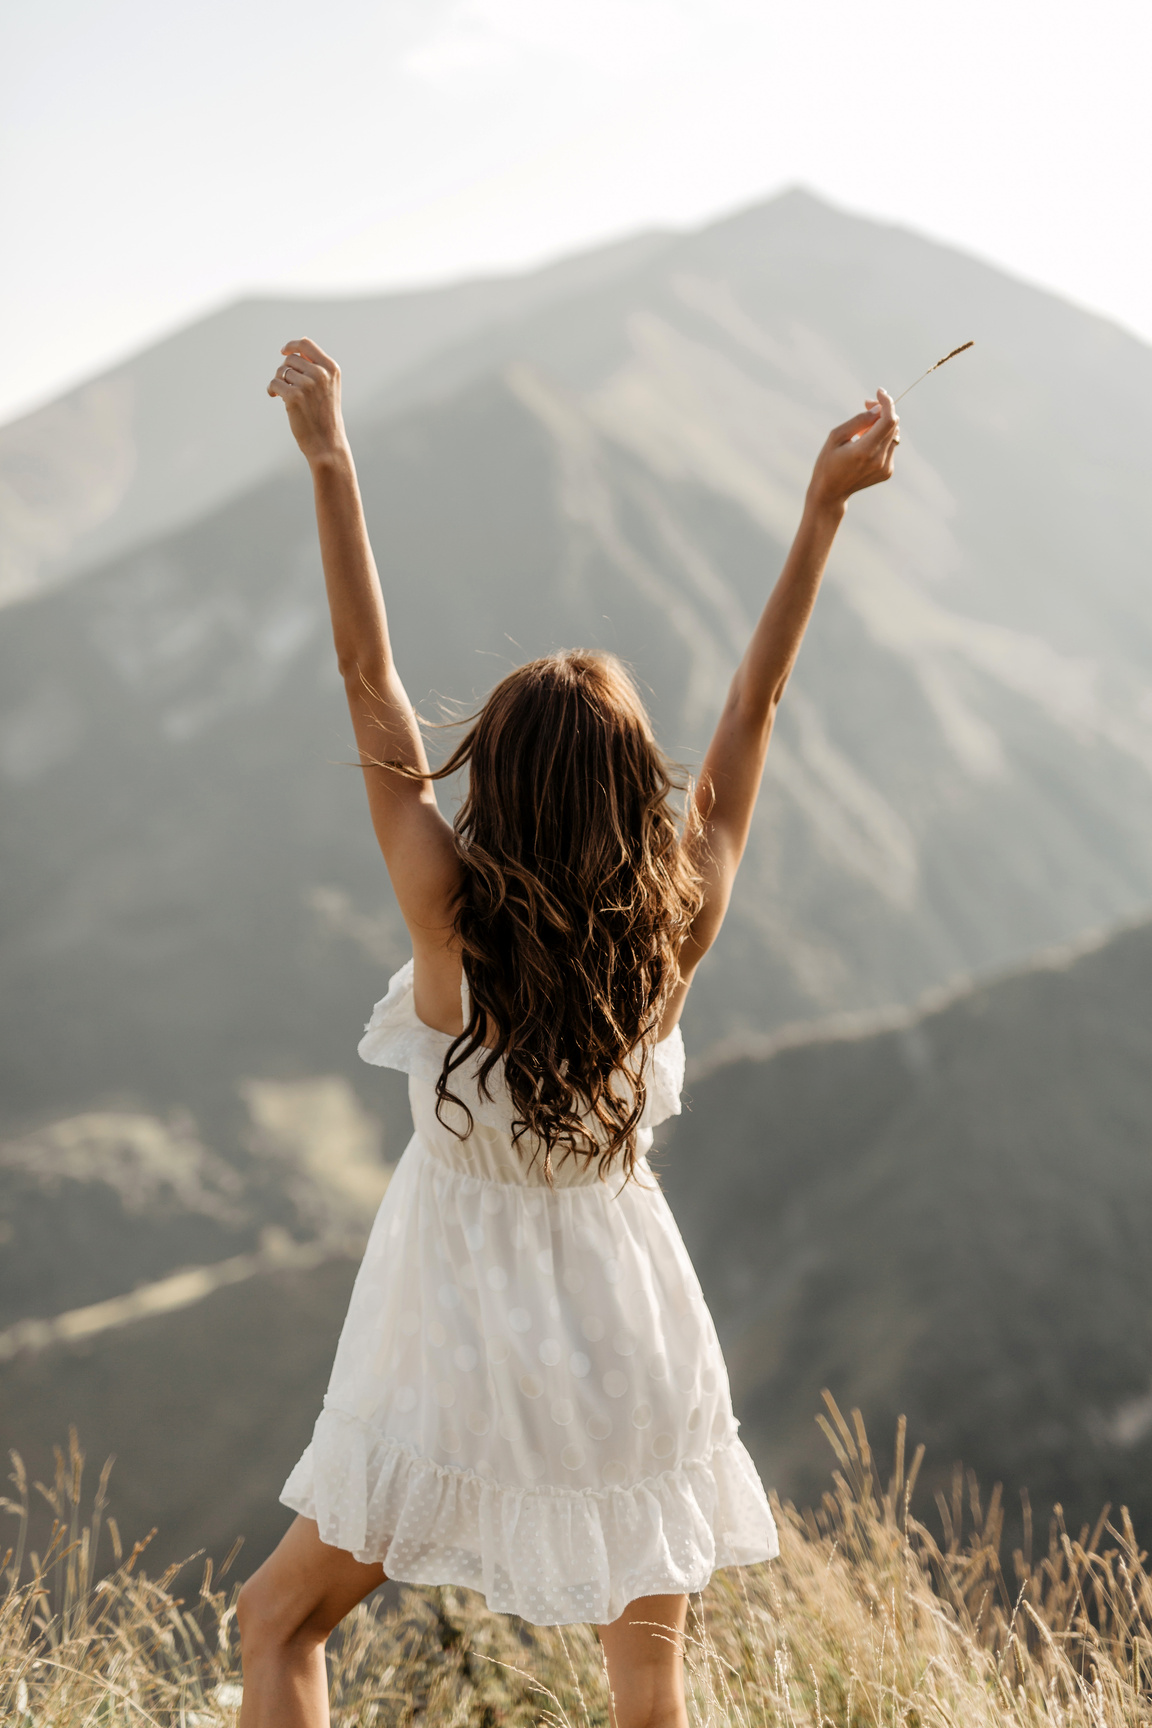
{"points": [[899, 1016]]}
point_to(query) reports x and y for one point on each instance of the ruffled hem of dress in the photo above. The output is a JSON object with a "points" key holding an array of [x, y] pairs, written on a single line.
{"points": [[554, 1556], [395, 1038]]}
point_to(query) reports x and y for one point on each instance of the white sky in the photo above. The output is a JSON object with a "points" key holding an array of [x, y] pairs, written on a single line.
{"points": [[158, 157]]}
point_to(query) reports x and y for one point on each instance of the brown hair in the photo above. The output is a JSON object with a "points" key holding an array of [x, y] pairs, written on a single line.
{"points": [[577, 896]]}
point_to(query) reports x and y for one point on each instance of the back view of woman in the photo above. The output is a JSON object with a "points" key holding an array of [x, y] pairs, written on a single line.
{"points": [[528, 1397]]}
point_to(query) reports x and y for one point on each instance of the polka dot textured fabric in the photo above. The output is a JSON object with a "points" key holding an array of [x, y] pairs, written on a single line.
{"points": [[528, 1397]]}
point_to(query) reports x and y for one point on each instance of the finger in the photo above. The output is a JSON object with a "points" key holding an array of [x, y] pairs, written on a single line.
{"points": [[302, 368], [311, 351], [853, 428], [280, 387], [886, 424]]}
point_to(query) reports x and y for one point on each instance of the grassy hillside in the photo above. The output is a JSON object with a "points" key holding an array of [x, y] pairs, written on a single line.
{"points": [[866, 1617]]}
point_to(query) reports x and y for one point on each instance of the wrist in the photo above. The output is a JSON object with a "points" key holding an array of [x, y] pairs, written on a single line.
{"points": [[824, 510], [331, 457]]}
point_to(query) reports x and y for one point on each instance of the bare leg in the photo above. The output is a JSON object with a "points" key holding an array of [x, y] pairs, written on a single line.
{"points": [[285, 1613], [644, 1651]]}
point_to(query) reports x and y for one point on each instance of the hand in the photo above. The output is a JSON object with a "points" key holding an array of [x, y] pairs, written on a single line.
{"points": [[309, 384], [860, 453]]}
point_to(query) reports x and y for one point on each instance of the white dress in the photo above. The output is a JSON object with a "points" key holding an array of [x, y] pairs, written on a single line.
{"points": [[528, 1397]]}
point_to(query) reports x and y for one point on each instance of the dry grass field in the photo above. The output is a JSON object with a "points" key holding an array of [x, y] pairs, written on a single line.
{"points": [[867, 1620]]}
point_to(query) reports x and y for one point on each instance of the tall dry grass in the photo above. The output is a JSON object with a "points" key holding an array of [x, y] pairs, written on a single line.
{"points": [[867, 1620]]}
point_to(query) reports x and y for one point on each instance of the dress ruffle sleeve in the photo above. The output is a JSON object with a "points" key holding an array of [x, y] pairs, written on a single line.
{"points": [[395, 1038]]}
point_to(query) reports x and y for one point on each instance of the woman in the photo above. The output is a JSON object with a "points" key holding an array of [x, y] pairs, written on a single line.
{"points": [[528, 1396]]}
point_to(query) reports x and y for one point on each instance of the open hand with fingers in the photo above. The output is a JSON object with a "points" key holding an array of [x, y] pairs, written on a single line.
{"points": [[860, 453], [308, 383]]}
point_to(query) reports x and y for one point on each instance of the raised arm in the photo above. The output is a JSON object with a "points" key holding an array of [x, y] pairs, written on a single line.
{"points": [[858, 454], [415, 839]]}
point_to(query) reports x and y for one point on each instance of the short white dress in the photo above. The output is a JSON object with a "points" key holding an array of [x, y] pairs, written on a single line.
{"points": [[529, 1397]]}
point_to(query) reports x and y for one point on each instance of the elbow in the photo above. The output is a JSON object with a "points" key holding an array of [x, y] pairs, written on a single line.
{"points": [[757, 714], [360, 675], [770, 702]]}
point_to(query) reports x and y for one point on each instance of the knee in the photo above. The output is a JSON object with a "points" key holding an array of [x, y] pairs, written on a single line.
{"points": [[266, 1620], [254, 1616]]}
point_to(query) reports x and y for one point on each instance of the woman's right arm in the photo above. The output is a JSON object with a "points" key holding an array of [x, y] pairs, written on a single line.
{"points": [[416, 841], [858, 454]]}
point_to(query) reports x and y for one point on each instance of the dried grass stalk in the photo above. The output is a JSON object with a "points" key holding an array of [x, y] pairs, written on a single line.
{"points": [[963, 348]]}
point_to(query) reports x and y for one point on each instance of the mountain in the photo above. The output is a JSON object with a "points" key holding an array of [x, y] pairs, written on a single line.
{"points": [[946, 1217], [195, 920]]}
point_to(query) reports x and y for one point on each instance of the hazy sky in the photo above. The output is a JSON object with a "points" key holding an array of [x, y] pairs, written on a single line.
{"points": [[156, 159]]}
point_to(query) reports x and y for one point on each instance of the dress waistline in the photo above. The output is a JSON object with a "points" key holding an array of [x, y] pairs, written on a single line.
{"points": [[606, 1187]]}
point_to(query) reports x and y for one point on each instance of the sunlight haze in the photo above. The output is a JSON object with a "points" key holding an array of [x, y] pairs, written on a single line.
{"points": [[159, 161]]}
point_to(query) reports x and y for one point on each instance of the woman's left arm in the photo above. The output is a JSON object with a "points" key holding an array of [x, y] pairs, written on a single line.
{"points": [[416, 841], [858, 454]]}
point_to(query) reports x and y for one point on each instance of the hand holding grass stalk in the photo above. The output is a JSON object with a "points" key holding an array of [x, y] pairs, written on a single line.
{"points": [[963, 348]]}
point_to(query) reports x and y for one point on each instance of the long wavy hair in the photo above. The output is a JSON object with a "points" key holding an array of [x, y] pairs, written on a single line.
{"points": [[577, 895]]}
